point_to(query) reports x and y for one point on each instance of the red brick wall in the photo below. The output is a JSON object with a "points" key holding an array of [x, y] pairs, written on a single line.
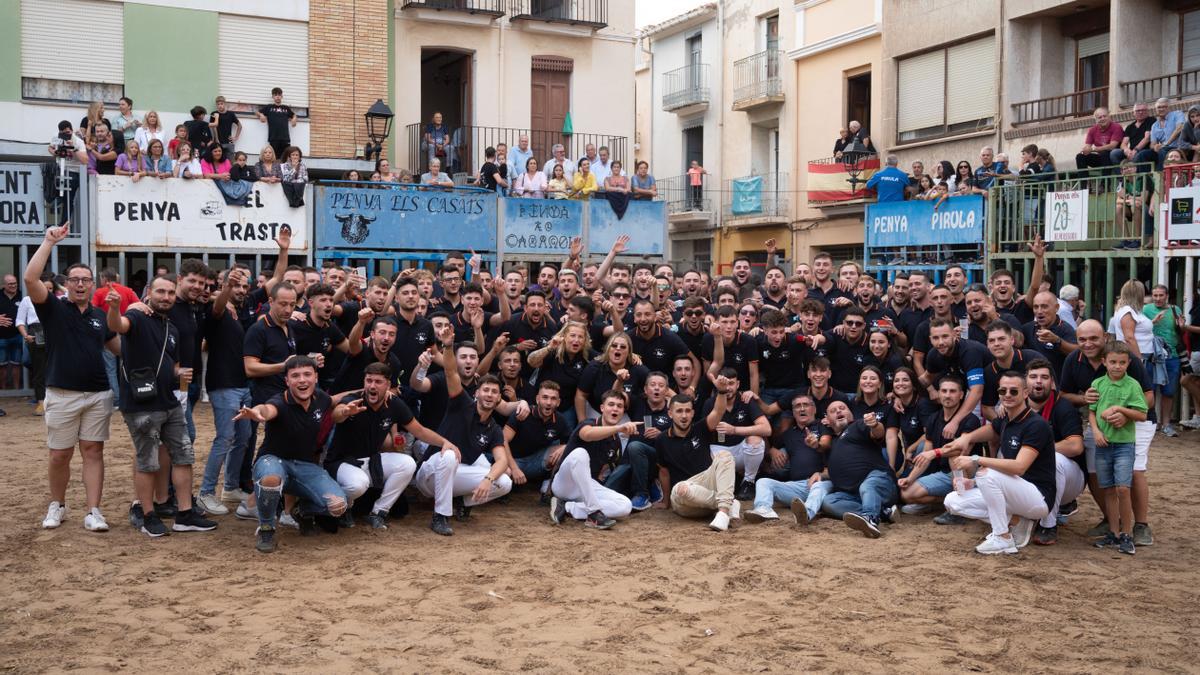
{"points": [[347, 71]]}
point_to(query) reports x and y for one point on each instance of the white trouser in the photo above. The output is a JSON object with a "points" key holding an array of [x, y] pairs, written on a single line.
{"points": [[1069, 482], [746, 458], [583, 494], [398, 470], [443, 478], [996, 498]]}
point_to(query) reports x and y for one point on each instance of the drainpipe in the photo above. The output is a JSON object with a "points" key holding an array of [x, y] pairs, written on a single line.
{"points": [[500, 62]]}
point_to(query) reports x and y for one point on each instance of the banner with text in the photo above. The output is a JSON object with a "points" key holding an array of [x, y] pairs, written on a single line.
{"points": [[393, 218], [22, 204], [192, 215], [1066, 216], [644, 221], [541, 226], [958, 220], [1184, 215]]}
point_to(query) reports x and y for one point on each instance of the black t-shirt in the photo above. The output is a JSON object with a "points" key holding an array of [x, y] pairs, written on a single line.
{"points": [[977, 333], [199, 135], [362, 435], [464, 331], [188, 319], [462, 427], [993, 371], [225, 122], [822, 403], [935, 426], [859, 407], [566, 375], [966, 360], [1030, 429], [685, 456], [8, 307], [311, 338], [659, 351], [694, 341], [1050, 352], [350, 377], [846, 358], [279, 119], [853, 455], [910, 319], [520, 330], [829, 299], [739, 415], [598, 378], [605, 452], [1135, 132], [143, 347], [298, 433], [1078, 374], [269, 342], [434, 401], [226, 338], [1064, 422], [803, 460], [533, 433], [785, 366], [888, 366], [412, 339], [738, 355], [659, 419], [911, 422], [488, 174], [1019, 309], [74, 343]]}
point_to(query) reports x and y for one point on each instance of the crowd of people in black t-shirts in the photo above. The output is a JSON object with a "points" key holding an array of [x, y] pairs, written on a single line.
{"points": [[602, 387]]}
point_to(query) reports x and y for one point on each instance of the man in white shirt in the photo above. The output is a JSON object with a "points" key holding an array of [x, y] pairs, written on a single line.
{"points": [[560, 157], [519, 156], [1068, 305]]}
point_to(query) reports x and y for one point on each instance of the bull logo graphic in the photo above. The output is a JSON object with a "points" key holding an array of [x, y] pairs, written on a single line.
{"points": [[211, 209], [354, 227]]}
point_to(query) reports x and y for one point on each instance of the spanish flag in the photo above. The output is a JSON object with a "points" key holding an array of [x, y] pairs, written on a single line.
{"points": [[828, 180]]}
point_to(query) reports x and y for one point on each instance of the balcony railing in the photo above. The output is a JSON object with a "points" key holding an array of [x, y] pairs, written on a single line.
{"points": [[1175, 85], [467, 144], [682, 197], [686, 86], [1076, 104], [757, 77], [1016, 209], [756, 196], [591, 13], [487, 7]]}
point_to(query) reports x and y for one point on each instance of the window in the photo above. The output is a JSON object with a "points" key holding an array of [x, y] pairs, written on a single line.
{"points": [[946, 91], [51, 72], [249, 80], [1189, 40]]}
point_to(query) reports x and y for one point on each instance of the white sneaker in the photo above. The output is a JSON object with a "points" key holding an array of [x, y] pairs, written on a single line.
{"points": [[735, 510], [54, 516], [1169, 431], [244, 512], [720, 523], [758, 515], [289, 521], [211, 505], [1022, 531], [234, 495], [914, 509], [1193, 423], [994, 545], [94, 521]]}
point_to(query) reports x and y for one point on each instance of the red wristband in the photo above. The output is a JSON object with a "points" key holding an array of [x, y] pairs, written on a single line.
{"points": [[937, 452]]}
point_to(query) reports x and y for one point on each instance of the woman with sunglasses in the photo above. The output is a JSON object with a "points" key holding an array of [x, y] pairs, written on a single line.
{"points": [[615, 368], [747, 317], [964, 178]]}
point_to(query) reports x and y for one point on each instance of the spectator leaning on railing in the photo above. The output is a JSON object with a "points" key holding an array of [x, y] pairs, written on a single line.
{"points": [[889, 183]]}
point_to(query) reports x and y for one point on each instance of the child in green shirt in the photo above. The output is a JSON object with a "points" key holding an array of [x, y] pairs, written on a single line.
{"points": [[1121, 403]]}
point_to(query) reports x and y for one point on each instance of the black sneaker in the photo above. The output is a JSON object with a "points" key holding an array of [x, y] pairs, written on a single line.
{"points": [[191, 521], [1069, 509], [598, 521], [865, 524], [1045, 536], [377, 520], [153, 526], [558, 510], [1107, 541], [462, 512], [1125, 544], [745, 491], [307, 523], [441, 525], [346, 520], [265, 539], [136, 516], [166, 510]]}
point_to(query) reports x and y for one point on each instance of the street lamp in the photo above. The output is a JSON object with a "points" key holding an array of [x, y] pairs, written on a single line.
{"points": [[850, 158], [379, 126]]}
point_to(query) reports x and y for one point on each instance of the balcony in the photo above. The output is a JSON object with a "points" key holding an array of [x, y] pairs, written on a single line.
{"points": [[685, 90], [760, 199], [757, 81], [833, 182], [1185, 84], [1076, 104], [573, 17], [462, 12], [465, 154], [688, 207]]}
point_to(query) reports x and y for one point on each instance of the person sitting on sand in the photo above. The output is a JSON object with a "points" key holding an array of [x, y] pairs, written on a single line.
{"points": [[701, 482], [863, 483], [808, 481], [593, 452]]}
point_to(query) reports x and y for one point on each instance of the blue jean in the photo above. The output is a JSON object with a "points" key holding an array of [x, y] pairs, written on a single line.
{"points": [[1114, 465], [570, 416], [110, 369], [12, 351], [534, 467], [231, 440], [193, 396], [632, 477], [767, 491], [876, 491], [317, 490]]}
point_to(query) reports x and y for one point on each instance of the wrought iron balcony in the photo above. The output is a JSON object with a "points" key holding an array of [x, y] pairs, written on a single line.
{"points": [[1075, 104], [486, 7], [685, 90], [589, 13], [757, 80]]}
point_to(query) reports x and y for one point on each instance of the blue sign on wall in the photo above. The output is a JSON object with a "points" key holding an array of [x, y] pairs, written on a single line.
{"points": [[959, 220], [386, 217], [539, 226], [645, 222]]}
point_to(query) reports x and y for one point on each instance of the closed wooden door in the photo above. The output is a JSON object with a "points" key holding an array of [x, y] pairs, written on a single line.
{"points": [[551, 99]]}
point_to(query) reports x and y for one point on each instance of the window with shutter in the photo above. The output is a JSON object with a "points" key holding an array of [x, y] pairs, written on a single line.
{"points": [[971, 83], [52, 70], [1189, 52], [947, 91], [921, 91], [250, 80]]}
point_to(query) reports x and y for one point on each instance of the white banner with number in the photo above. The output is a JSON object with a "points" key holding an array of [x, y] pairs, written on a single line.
{"points": [[1066, 216], [191, 214]]}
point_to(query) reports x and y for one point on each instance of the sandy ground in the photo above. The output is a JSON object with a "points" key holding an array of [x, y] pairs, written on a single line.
{"points": [[511, 592]]}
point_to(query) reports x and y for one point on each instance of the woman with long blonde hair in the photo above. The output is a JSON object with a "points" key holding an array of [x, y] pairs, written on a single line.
{"points": [[1129, 324], [151, 129], [268, 169], [615, 368], [563, 360], [87, 126]]}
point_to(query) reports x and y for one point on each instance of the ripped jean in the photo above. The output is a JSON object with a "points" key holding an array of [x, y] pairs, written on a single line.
{"points": [[319, 493]]}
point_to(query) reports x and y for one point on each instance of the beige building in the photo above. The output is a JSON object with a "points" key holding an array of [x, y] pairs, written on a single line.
{"points": [[497, 69]]}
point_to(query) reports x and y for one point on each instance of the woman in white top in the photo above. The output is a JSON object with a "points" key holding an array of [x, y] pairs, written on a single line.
{"points": [[531, 183], [188, 165], [1129, 324], [150, 129]]}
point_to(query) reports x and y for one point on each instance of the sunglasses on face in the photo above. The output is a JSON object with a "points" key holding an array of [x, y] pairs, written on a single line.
{"points": [[853, 324], [79, 280], [694, 312], [1009, 391], [749, 312], [620, 296]]}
